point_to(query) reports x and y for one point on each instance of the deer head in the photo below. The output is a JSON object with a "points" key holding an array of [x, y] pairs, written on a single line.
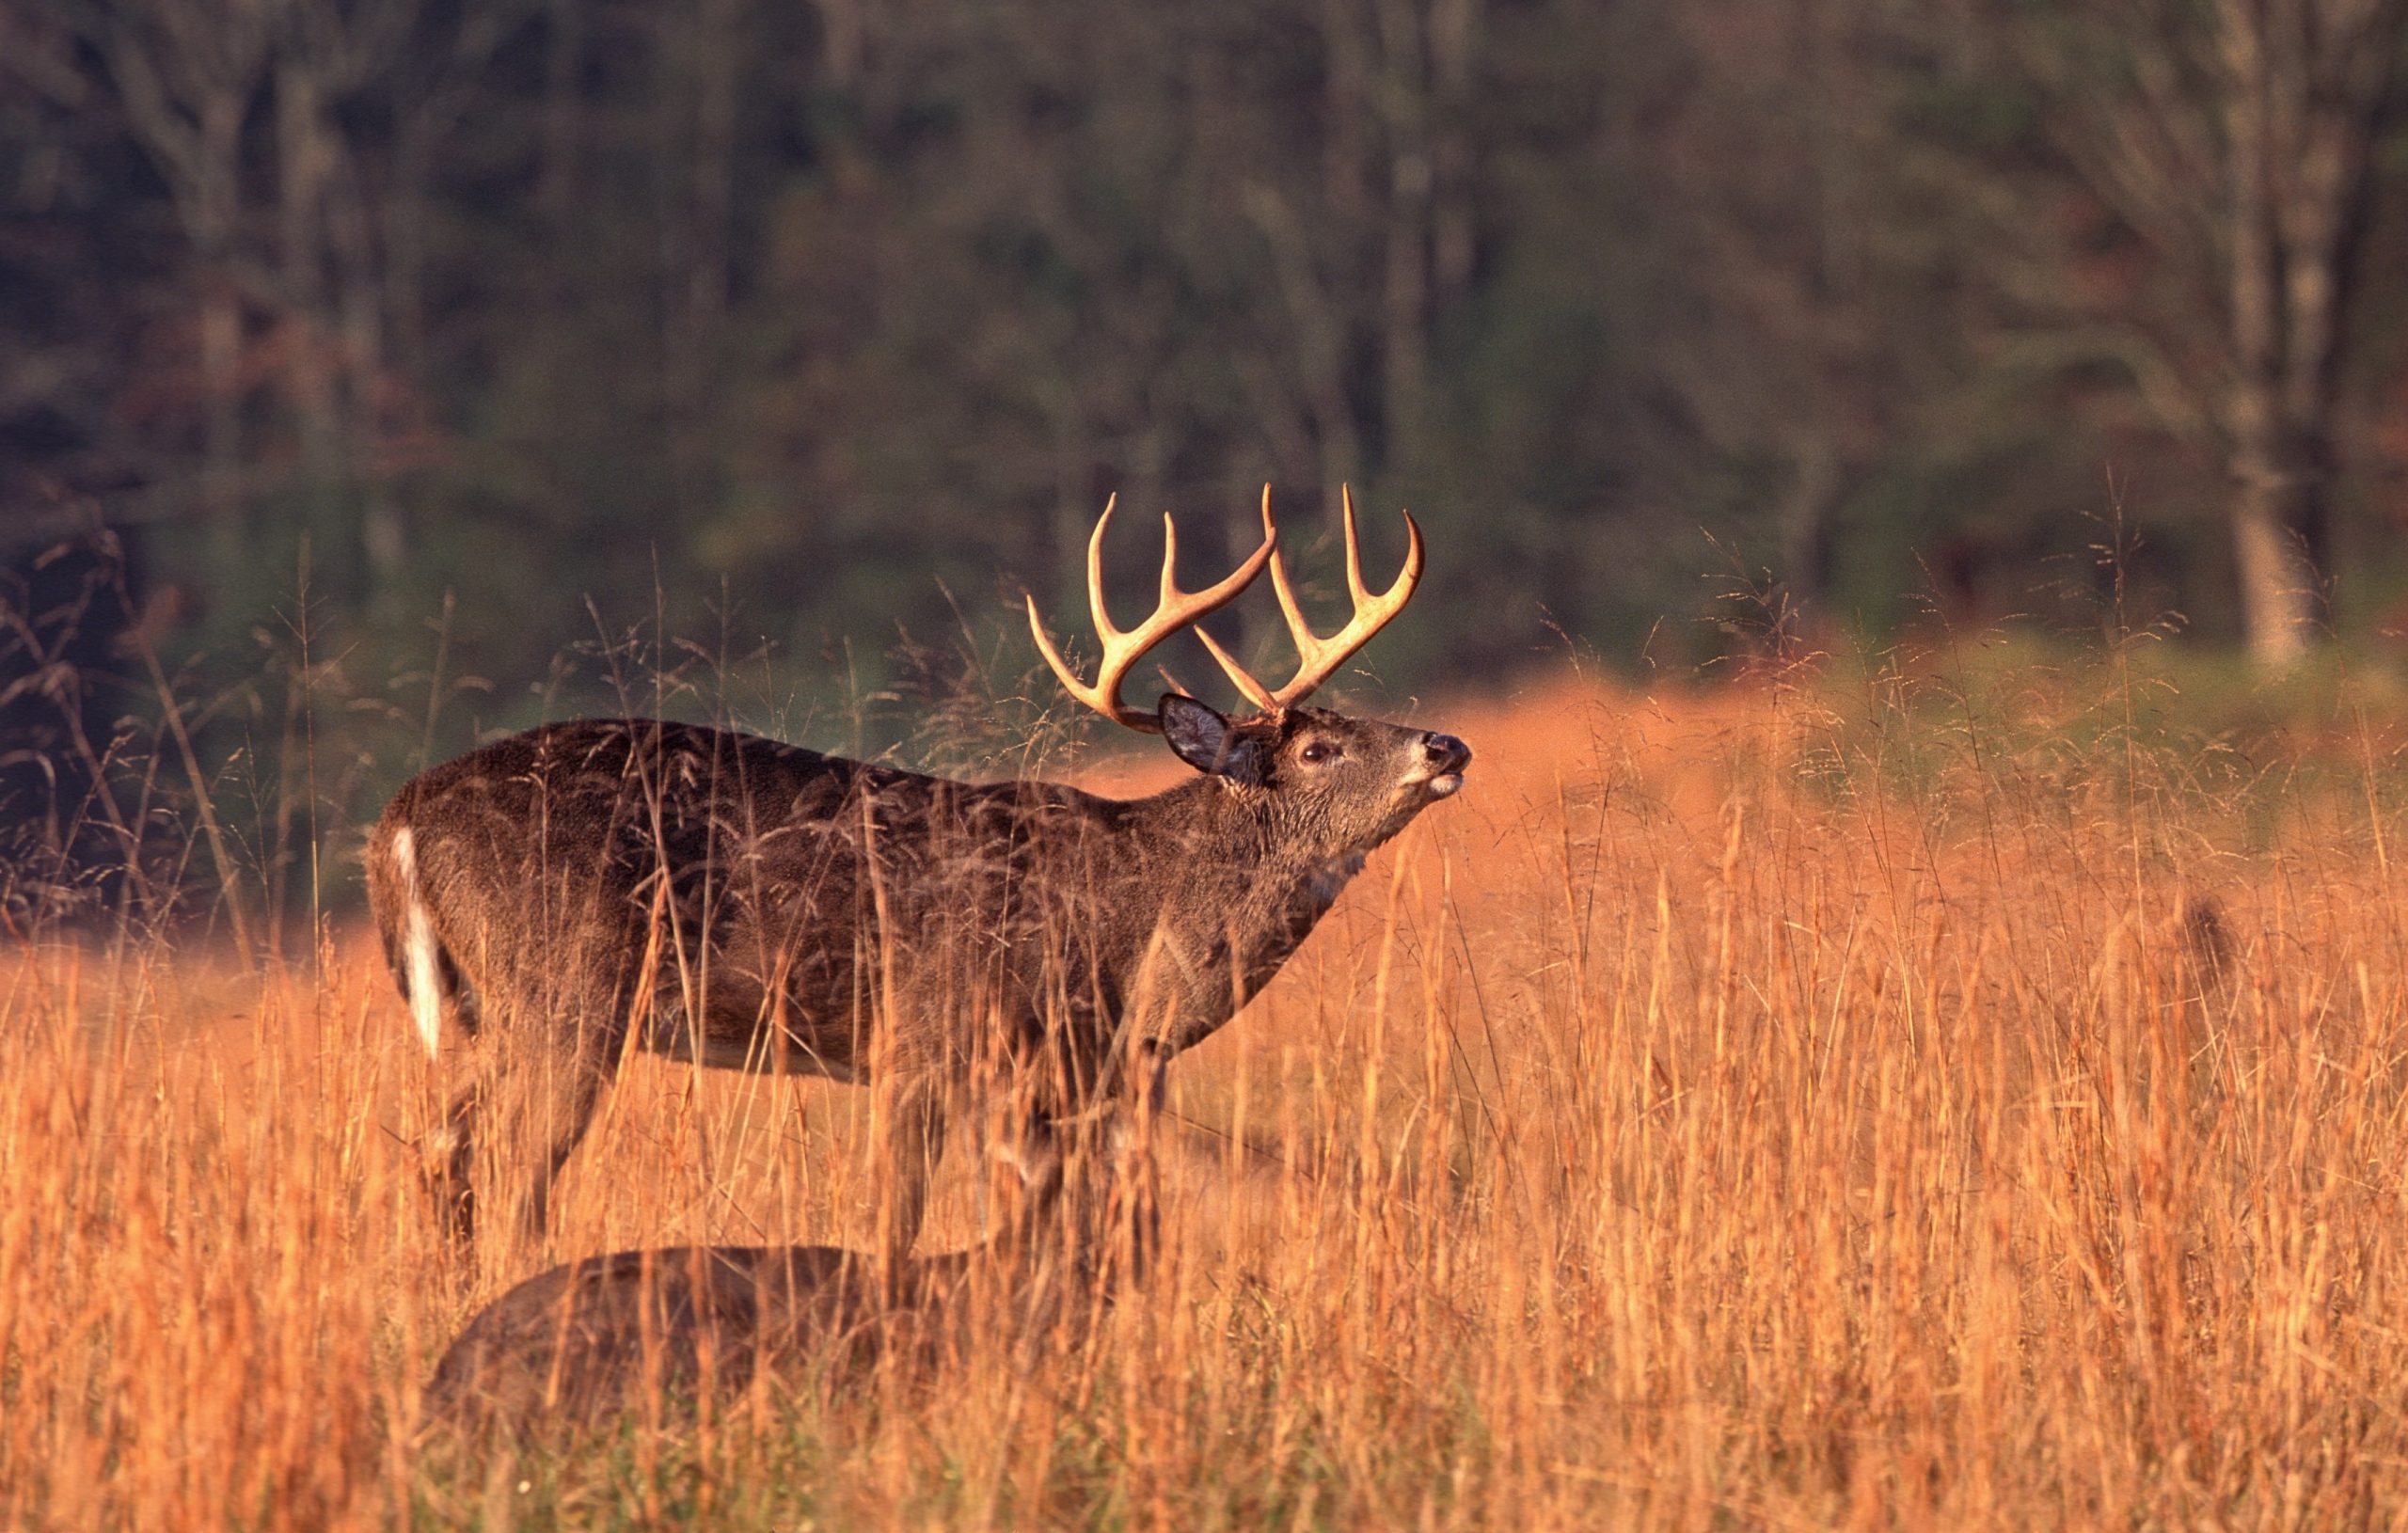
{"points": [[1336, 785]]}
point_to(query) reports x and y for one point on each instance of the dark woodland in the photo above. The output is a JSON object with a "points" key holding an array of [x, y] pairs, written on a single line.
{"points": [[466, 361]]}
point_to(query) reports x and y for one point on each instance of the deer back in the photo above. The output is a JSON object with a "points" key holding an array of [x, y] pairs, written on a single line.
{"points": [[759, 880]]}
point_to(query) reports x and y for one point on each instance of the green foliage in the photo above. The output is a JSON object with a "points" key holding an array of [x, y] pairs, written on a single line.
{"points": [[811, 323]]}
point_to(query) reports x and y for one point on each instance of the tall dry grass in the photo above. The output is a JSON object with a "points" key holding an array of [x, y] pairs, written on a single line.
{"points": [[1886, 1102]]}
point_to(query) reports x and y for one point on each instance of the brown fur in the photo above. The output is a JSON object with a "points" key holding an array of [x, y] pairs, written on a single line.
{"points": [[715, 895]]}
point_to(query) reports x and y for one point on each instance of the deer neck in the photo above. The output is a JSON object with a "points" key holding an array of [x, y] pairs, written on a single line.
{"points": [[1241, 888], [1232, 839]]}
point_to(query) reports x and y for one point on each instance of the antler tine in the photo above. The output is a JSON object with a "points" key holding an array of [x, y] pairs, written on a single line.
{"points": [[1353, 550], [1240, 678], [1123, 649], [1319, 658]]}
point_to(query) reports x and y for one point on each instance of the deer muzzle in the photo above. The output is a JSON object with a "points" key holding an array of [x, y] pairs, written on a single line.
{"points": [[1447, 757]]}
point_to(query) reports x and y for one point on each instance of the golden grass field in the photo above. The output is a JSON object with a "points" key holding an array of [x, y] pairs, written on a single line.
{"points": [[1904, 1100]]}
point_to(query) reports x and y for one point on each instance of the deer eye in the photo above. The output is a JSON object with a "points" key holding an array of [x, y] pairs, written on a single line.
{"points": [[1318, 750]]}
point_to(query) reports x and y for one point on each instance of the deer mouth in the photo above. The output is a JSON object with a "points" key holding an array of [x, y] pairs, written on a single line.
{"points": [[1448, 758]]}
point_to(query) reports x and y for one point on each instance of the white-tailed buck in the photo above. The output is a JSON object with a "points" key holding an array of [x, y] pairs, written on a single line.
{"points": [[554, 898]]}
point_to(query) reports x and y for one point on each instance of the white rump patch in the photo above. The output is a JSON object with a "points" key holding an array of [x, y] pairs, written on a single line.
{"points": [[418, 948]]}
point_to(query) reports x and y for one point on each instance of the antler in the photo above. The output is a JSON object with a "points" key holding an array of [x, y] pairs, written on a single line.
{"points": [[1319, 658], [1175, 609]]}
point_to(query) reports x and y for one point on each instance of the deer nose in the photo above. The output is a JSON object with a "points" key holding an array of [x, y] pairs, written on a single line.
{"points": [[1445, 752]]}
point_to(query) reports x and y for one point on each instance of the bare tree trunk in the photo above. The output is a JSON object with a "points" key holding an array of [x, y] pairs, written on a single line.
{"points": [[1805, 513], [360, 300], [695, 128], [563, 60], [843, 40], [2280, 600], [1404, 103], [304, 164], [403, 216], [329, 58], [714, 189], [1346, 102], [217, 205], [187, 77], [2305, 82], [1454, 47], [384, 246], [221, 451], [2239, 146], [2274, 615], [1318, 330]]}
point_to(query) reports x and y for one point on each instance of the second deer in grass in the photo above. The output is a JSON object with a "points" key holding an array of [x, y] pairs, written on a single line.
{"points": [[592, 1343], [557, 897]]}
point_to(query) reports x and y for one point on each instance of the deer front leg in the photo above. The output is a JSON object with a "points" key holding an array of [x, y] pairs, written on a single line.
{"points": [[528, 1100], [914, 1112], [452, 1156]]}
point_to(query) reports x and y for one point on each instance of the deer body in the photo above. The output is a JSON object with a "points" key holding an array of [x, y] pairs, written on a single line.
{"points": [[557, 897], [584, 1344]]}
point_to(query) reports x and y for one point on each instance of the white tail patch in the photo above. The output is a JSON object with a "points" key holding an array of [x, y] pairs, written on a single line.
{"points": [[418, 948]]}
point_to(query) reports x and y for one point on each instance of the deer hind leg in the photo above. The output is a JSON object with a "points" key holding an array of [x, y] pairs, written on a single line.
{"points": [[536, 1109]]}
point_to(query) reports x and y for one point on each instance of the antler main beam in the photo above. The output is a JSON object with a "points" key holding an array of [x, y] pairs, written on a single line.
{"points": [[1319, 658], [1175, 609]]}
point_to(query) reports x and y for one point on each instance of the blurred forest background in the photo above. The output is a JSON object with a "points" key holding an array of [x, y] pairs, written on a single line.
{"points": [[812, 323]]}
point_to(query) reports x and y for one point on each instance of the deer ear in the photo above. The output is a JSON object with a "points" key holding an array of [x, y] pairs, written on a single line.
{"points": [[1208, 742]]}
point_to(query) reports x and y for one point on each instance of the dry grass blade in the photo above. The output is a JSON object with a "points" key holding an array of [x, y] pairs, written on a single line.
{"points": [[1834, 1130]]}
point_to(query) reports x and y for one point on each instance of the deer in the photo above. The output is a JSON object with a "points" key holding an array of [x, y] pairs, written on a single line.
{"points": [[591, 1343], [556, 900]]}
